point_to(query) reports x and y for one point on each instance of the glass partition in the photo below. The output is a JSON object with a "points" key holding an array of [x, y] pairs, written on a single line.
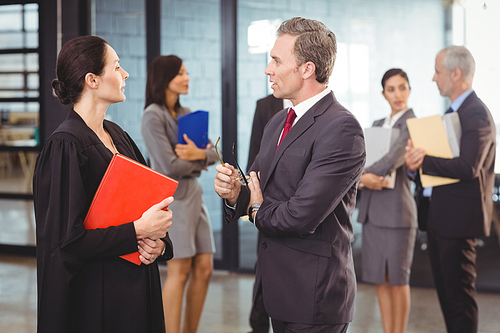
{"points": [[372, 38], [19, 79], [19, 120], [12, 232], [189, 29]]}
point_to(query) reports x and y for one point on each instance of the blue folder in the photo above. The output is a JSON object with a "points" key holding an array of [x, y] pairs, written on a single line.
{"points": [[195, 125]]}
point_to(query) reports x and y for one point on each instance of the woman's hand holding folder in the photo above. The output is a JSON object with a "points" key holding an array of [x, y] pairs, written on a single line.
{"points": [[155, 222]]}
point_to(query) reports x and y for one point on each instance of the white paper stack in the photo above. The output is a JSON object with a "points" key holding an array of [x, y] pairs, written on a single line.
{"points": [[451, 123], [378, 141]]}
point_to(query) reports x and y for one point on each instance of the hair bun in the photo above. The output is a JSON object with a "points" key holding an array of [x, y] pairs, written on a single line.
{"points": [[61, 91]]}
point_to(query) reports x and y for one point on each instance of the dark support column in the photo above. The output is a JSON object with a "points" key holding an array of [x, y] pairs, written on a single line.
{"points": [[75, 19], [84, 15], [52, 113], [153, 30], [74, 22], [230, 232]]}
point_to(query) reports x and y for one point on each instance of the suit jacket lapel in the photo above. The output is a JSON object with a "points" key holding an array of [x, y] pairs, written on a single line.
{"points": [[270, 149], [408, 113], [379, 123], [306, 121], [466, 102]]}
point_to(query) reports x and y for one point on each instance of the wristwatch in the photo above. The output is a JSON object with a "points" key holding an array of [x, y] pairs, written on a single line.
{"points": [[164, 248], [253, 208]]}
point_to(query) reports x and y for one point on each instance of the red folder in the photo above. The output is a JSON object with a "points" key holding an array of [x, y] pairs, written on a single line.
{"points": [[127, 190]]}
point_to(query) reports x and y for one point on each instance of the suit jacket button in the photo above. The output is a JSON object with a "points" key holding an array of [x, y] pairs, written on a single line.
{"points": [[264, 245]]}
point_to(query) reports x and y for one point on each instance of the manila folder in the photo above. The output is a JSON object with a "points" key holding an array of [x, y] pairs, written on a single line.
{"points": [[429, 134]]}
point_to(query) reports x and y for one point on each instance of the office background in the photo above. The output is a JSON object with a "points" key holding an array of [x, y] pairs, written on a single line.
{"points": [[225, 45]]}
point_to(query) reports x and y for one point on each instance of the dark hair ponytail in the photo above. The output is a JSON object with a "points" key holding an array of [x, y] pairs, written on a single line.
{"points": [[79, 56], [61, 92]]}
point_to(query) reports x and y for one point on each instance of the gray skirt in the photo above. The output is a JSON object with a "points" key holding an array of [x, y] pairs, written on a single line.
{"points": [[387, 250], [191, 230]]}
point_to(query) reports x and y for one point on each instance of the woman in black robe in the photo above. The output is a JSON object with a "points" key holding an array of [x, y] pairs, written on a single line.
{"points": [[83, 285]]}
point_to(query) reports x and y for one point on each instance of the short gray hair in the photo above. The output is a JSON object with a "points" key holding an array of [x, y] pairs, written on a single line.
{"points": [[459, 56], [315, 43]]}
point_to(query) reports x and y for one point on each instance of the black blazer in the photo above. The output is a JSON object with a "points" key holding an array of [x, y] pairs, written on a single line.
{"points": [[266, 108], [464, 209], [80, 276], [422, 204], [305, 264]]}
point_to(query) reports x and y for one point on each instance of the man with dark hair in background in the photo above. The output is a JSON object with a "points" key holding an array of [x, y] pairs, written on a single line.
{"points": [[266, 108]]}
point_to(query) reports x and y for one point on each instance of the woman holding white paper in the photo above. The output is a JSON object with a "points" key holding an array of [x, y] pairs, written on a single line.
{"points": [[191, 233], [389, 215]]}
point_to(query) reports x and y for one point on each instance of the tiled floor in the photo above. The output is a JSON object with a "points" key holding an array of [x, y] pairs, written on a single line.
{"points": [[228, 304]]}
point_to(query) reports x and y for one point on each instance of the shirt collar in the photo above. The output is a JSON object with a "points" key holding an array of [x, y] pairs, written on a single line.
{"points": [[287, 104], [301, 108], [390, 121], [457, 103]]}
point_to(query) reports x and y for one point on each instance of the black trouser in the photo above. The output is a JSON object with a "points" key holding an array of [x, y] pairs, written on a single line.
{"points": [[282, 327], [453, 262], [259, 319]]}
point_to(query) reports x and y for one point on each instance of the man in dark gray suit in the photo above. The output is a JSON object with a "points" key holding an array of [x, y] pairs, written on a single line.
{"points": [[309, 167], [459, 212]]}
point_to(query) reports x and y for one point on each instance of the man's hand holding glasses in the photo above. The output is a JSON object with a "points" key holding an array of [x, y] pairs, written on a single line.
{"points": [[226, 183], [229, 179]]}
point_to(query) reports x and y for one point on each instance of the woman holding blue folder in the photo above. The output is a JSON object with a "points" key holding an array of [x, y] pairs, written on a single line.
{"points": [[389, 215], [191, 233]]}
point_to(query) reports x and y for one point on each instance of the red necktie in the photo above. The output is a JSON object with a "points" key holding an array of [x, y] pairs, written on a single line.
{"points": [[290, 118]]}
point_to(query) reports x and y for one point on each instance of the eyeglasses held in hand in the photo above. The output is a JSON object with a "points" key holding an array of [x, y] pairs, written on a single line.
{"points": [[242, 178]]}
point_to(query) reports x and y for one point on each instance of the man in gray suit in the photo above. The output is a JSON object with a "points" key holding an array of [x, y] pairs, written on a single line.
{"points": [[309, 168], [459, 212]]}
